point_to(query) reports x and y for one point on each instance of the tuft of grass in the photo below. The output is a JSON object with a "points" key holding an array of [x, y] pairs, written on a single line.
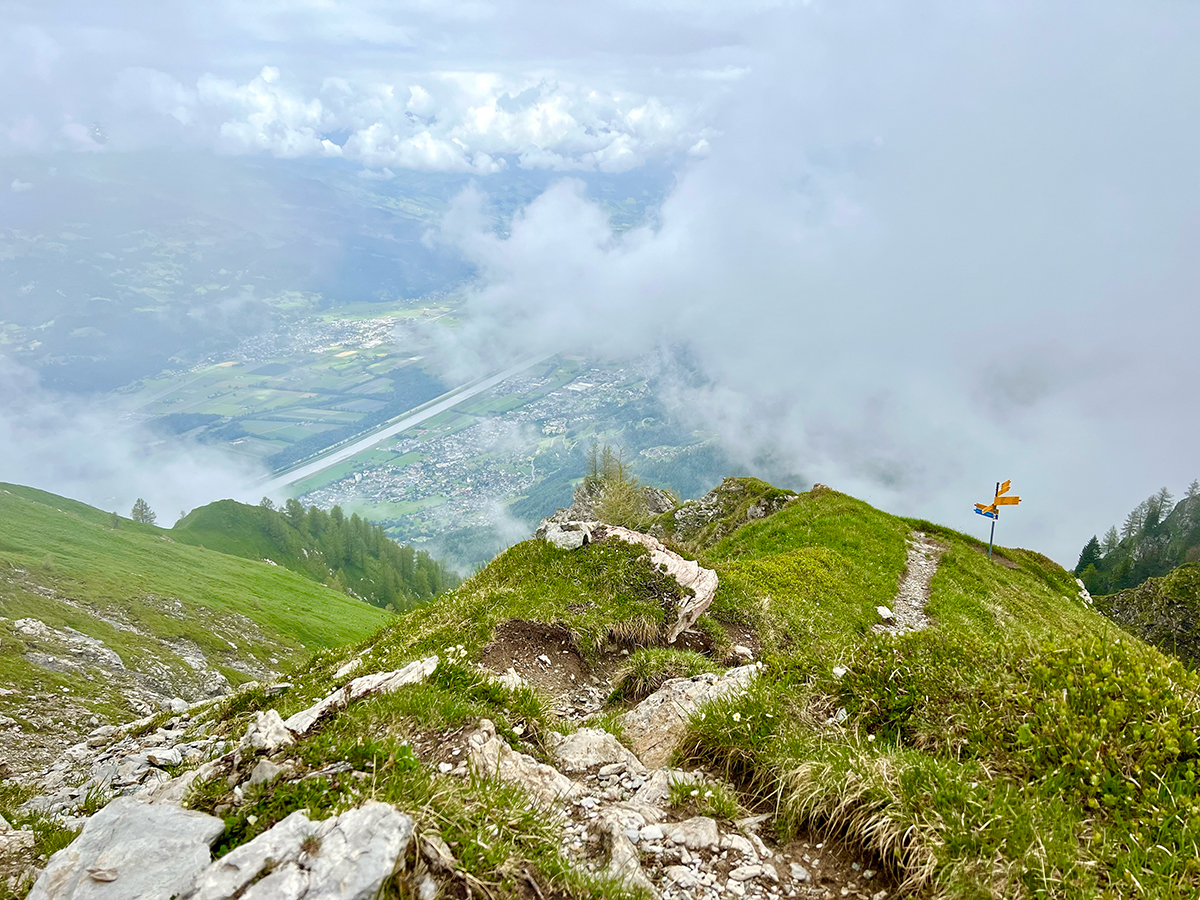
{"points": [[705, 798], [649, 668]]}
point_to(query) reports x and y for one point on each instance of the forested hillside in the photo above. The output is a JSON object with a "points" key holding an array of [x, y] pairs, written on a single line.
{"points": [[346, 553], [1157, 535]]}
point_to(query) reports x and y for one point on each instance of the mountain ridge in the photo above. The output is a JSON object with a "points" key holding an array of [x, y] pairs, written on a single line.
{"points": [[539, 734]]}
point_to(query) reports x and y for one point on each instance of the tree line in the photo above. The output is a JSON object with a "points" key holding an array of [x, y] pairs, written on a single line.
{"points": [[355, 556], [1157, 535]]}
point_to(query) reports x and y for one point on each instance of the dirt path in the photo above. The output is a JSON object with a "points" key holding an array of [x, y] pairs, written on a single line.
{"points": [[908, 607]]}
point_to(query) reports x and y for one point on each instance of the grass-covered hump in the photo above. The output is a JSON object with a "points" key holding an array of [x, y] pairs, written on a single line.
{"points": [[347, 553]]}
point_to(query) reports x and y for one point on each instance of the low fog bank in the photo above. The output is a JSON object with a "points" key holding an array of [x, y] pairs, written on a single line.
{"points": [[88, 451], [924, 254]]}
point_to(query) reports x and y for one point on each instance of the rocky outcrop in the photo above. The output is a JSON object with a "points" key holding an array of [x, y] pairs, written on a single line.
{"points": [[267, 732], [567, 535], [656, 725], [700, 581], [1161, 611], [377, 683], [346, 857], [125, 762], [720, 512], [135, 851], [588, 497], [492, 757], [590, 748], [583, 504]]}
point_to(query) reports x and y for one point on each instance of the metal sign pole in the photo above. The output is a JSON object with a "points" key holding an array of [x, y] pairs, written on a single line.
{"points": [[995, 516]]}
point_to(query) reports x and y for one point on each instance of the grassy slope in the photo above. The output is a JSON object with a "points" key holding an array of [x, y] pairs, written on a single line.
{"points": [[65, 565], [1020, 747]]}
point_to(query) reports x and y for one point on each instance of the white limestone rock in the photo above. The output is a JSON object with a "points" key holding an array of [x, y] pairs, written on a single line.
{"points": [[588, 748], [358, 853], [624, 862], [566, 535], [242, 865], [696, 833], [265, 772], [346, 857], [655, 726], [375, 683], [143, 851], [267, 732], [688, 573], [491, 756]]}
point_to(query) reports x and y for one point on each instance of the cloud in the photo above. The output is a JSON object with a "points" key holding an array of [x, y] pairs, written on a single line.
{"points": [[913, 250], [412, 111], [18, 186], [917, 259], [88, 450]]}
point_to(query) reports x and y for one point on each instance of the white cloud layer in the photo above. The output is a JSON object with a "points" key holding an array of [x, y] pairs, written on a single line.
{"points": [[86, 449], [922, 256], [916, 247], [76, 85]]}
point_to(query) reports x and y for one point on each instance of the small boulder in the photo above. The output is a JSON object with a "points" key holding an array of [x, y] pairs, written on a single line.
{"points": [[267, 732], [591, 747], [168, 756], [493, 758], [566, 535], [696, 833], [655, 725], [265, 772], [143, 851]]}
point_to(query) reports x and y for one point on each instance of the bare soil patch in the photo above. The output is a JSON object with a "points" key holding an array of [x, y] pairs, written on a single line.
{"points": [[544, 655]]}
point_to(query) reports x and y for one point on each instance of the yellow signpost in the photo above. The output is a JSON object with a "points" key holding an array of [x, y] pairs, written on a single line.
{"points": [[992, 511]]}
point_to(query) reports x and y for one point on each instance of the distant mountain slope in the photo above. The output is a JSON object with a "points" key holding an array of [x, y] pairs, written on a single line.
{"points": [[1157, 536], [345, 553], [102, 624]]}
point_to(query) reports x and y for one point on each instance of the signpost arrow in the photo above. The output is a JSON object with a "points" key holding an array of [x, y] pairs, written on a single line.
{"points": [[992, 512]]}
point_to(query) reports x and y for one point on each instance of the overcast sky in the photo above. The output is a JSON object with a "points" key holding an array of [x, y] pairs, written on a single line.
{"points": [[918, 247]]}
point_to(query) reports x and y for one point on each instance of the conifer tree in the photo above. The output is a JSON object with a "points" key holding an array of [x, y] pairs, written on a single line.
{"points": [[142, 512], [1089, 556], [1111, 540]]}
